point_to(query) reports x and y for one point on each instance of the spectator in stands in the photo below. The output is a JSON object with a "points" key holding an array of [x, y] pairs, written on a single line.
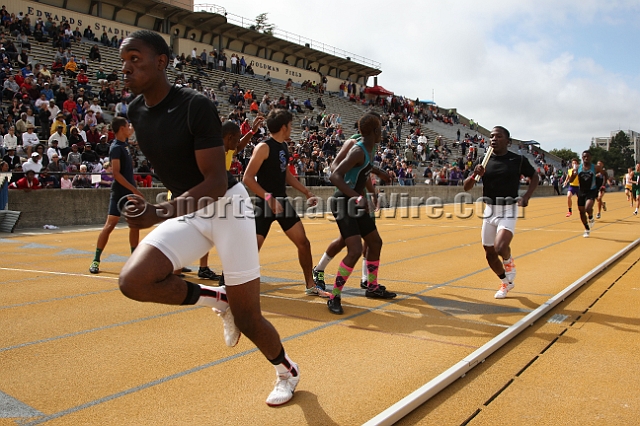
{"points": [[71, 68], [44, 158], [29, 139], [93, 135], [57, 66], [89, 35], [21, 125], [113, 77], [75, 139], [33, 163], [74, 158], [77, 35], [11, 88], [39, 35], [308, 104], [46, 91], [104, 39], [90, 118], [70, 105], [100, 117], [89, 155], [123, 105], [23, 58], [83, 64], [53, 150], [12, 159], [28, 182], [94, 53], [63, 142], [102, 148], [10, 50], [47, 180], [83, 80], [106, 176], [249, 70], [95, 106], [143, 176], [82, 179]]}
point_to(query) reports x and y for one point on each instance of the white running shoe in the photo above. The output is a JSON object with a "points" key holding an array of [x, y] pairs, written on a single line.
{"points": [[284, 388], [586, 233], [598, 215], [231, 332], [504, 289], [592, 221]]}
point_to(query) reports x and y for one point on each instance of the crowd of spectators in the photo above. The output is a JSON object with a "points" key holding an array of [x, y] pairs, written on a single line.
{"points": [[54, 124]]}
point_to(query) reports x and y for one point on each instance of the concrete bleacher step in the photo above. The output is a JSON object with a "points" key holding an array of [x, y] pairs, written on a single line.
{"points": [[9, 220]]}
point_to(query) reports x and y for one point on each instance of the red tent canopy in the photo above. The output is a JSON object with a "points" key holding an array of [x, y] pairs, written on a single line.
{"points": [[377, 90]]}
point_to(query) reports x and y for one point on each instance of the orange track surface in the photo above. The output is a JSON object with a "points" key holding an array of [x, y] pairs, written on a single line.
{"points": [[74, 351]]}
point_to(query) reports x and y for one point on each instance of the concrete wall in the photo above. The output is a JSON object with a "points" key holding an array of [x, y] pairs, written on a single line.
{"points": [[89, 206]]}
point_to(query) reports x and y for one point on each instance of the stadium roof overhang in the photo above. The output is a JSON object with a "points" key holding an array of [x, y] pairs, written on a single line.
{"points": [[217, 24]]}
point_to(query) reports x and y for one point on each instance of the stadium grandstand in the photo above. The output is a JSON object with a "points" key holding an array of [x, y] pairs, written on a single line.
{"points": [[76, 351], [246, 71]]}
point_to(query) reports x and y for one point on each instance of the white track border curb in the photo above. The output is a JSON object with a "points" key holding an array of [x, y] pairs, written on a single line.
{"points": [[412, 401]]}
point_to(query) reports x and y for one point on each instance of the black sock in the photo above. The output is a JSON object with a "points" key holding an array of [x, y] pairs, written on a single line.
{"points": [[502, 276], [590, 217], [202, 268], [280, 358], [193, 294], [569, 209], [283, 364]]}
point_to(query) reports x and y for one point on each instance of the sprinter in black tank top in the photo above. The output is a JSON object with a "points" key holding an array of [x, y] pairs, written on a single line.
{"points": [[266, 176], [192, 137], [602, 179]]}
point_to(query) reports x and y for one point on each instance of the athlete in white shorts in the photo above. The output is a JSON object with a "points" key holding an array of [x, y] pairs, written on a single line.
{"points": [[501, 180], [179, 132], [498, 218]]}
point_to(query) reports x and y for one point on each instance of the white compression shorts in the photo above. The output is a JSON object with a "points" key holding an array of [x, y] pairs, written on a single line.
{"points": [[497, 218], [228, 224]]}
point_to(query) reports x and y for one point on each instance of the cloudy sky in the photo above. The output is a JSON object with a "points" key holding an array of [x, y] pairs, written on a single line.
{"points": [[559, 72]]}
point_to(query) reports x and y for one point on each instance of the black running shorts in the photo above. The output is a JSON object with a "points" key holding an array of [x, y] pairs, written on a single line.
{"points": [[265, 216], [584, 196], [351, 220]]}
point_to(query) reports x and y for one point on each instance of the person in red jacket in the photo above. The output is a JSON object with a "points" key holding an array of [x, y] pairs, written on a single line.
{"points": [[29, 181], [69, 105], [83, 80]]}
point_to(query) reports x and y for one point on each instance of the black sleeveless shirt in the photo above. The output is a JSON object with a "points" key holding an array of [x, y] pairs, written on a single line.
{"points": [[272, 174]]}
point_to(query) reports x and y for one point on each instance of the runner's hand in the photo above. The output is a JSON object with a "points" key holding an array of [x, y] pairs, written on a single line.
{"points": [[138, 213], [275, 206]]}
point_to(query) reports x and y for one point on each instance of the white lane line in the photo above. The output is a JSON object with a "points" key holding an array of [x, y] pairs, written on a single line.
{"points": [[34, 271]]}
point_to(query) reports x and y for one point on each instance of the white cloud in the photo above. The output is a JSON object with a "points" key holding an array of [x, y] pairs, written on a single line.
{"points": [[525, 81]]}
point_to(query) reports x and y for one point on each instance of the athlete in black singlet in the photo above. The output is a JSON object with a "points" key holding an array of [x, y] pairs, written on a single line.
{"points": [[178, 130], [266, 176]]}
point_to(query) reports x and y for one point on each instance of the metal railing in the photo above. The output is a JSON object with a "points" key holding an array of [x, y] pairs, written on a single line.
{"points": [[288, 36]]}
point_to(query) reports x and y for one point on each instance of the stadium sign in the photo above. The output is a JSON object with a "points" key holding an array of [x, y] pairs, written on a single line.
{"points": [[75, 19]]}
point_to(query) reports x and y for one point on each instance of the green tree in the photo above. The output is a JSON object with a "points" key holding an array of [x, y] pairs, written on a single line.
{"points": [[564, 153], [262, 24], [620, 154]]}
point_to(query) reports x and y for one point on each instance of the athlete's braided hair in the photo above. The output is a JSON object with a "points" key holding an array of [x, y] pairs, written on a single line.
{"points": [[154, 41]]}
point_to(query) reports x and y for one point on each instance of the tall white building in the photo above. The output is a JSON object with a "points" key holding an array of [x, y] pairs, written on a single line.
{"points": [[634, 137]]}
